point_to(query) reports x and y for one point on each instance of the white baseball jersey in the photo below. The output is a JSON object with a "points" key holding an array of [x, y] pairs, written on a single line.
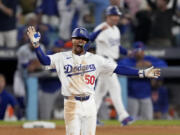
{"points": [[25, 55], [78, 73], [107, 44], [108, 41]]}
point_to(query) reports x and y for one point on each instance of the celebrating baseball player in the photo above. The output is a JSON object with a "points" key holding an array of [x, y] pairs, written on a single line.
{"points": [[108, 45], [78, 70]]}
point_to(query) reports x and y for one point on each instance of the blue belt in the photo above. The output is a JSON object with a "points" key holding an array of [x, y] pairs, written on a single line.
{"points": [[77, 98]]}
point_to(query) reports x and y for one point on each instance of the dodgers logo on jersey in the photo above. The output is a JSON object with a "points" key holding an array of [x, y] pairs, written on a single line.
{"points": [[77, 70], [114, 42]]}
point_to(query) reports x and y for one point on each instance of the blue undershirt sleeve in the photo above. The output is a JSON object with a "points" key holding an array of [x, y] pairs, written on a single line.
{"points": [[93, 35], [124, 70], [44, 59], [123, 51]]}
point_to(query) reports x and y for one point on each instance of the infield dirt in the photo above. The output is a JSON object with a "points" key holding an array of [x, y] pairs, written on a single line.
{"points": [[105, 130]]}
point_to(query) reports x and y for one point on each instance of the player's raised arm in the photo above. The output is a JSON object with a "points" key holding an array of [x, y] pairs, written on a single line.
{"points": [[34, 38], [94, 34], [149, 72]]}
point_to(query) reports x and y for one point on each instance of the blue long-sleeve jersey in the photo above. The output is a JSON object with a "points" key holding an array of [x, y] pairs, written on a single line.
{"points": [[140, 88]]}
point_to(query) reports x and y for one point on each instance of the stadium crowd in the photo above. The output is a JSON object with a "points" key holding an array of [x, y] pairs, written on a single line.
{"points": [[143, 24]]}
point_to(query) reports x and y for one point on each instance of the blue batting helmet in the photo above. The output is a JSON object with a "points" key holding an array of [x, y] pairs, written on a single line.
{"points": [[80, 33], [113, 10]]}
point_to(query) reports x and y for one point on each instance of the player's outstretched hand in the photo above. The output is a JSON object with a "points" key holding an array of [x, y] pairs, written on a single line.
{"points": [[152, 72], [33, 36]]}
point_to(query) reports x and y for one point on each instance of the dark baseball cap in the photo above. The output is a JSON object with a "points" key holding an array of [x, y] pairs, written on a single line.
{"points": [[138, 45]]}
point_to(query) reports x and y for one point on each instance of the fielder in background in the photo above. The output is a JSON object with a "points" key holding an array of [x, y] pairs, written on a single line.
{"points": [[27, 62], [139, 90], [108, 45], [78, 70]]}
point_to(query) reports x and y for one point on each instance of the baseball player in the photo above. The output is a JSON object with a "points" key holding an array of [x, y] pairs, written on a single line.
{"points": [[26, 62], [108, 45], [139, 90], [78, 70]]}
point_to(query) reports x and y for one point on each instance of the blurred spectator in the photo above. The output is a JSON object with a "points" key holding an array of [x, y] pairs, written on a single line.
{"points": [[160, 99], [72, 14], [99, 8], [27, 63], [27, 6], [6, 98], [142, 26], [118, 3], [125, 26], [135, 5], [49, 90], [8, 32], [176, 28], [139, 90], [32, 20], [48, 12], [45, 30], [161, 35]]}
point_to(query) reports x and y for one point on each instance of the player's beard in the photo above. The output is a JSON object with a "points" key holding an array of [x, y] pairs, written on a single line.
{"points": [[79, 49]]}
